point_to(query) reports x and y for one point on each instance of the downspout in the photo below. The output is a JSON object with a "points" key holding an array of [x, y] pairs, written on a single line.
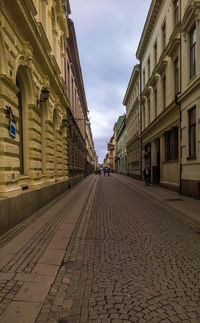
{"points": [[179, 104], [140, 120]]}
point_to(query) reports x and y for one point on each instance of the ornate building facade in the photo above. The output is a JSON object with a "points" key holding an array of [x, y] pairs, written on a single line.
{"points": [[133, 130], [159, 56], [41, 93], [121, 151]]}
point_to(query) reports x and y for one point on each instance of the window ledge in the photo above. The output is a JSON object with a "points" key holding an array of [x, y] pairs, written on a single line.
{"points": [[191, 157], [171, 161]]}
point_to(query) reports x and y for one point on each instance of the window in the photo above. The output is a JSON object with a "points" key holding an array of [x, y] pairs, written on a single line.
{"points": [[164, 91], [68, 78], [176, 75], [143, 78], [155, 53], [149, 110], [164, 35], [193, 52], [155, 101], [175, 12], [148, 67], [171, 144], [192, 132], [144, 119]]}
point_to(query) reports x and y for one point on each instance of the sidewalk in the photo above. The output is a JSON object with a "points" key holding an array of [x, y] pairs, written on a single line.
{"points": [[30, 260], [190, 208]]}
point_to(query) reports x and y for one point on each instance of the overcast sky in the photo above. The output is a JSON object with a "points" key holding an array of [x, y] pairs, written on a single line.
{"points": [[108, 33]]}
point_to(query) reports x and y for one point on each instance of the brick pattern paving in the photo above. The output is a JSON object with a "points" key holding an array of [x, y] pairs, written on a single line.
{"points": [[129, 260], [18, 275]]}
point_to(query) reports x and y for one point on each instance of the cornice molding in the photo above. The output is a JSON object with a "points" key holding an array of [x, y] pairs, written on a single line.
{"points": [[148, 27]]}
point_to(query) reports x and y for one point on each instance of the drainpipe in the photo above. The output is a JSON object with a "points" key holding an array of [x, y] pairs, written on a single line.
{"points": [[140, 120], [179, 104]]}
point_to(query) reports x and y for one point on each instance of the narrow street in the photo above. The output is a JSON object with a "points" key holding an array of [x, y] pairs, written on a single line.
{"points": [[106, 251]]}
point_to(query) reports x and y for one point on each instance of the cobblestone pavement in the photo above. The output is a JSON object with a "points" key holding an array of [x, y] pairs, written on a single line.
{"points": [[129, 259]]}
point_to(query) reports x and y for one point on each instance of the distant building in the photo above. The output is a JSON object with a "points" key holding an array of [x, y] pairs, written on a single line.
{"points": [[121, 152], [133, 127]]}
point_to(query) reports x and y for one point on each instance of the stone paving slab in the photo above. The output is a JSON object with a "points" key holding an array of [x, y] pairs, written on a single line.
{"points": [[33, 285], [21, 312]]}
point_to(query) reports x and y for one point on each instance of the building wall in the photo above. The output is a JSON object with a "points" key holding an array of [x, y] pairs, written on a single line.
{"points": [[133, 126], [32, 58], [190, 98], [158, 50]]}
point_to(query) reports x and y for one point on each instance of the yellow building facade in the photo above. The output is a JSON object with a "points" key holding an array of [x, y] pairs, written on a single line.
{"points": [[133, 129], [40, 88], [159, 54]]}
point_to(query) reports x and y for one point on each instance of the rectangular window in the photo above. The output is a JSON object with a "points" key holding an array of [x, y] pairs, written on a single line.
{"points": [[144, 117], [148, 67], [164, 35], [68, 78], [176, 75], [193, 52], [143, 79], [175, 12], [192, 132], [155, 53], [164, 91], [149, 110], [171, 144], [155, 101]]}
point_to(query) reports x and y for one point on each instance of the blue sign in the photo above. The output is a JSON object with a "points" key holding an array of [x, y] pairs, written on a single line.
{"points": [[12, 129]]}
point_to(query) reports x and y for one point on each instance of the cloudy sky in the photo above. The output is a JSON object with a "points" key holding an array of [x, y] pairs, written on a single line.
{"points": [[108, 33]]}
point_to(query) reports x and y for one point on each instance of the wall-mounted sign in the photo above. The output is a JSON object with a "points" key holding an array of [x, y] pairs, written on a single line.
{"points": [[12, 128]]}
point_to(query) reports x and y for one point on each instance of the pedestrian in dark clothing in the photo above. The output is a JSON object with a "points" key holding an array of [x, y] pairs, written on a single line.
{"points": [[104, 171], [108, 171], [147, 175]]}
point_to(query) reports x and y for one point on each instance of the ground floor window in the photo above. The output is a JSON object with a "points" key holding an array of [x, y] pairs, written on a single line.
{"points": [[192, 132], [171, 144]]}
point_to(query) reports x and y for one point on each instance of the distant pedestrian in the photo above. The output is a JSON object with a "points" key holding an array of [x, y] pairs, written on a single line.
{"points": [[147, 175], [108, 171], [104, 171]]}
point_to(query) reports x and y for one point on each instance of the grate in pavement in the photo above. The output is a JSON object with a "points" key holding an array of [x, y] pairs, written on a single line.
{"points": [[173, 200]]}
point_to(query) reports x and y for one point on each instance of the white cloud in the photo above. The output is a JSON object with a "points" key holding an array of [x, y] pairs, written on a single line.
{"points": [[108, 33]]}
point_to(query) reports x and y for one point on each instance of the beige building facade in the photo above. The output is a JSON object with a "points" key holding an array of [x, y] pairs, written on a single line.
{"points": [[170, 85], [189, 98], [159, 54], [133, 129], [41, 92]]}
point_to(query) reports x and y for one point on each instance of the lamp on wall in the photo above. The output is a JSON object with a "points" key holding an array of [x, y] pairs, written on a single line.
{"points": [[44, 95]]}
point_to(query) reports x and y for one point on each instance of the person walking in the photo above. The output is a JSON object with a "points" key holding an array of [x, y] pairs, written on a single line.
{"points": [[108, 171], [104, 171], [147, 175]]}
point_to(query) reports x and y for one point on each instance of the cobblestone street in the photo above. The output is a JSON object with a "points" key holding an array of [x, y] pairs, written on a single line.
{"points": [[129, 258]]}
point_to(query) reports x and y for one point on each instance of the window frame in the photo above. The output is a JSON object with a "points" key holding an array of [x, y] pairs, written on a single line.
{"points": [[176, 75], [164, 35], [192, 50], [176, 12], [192, 130], [164, 91]]}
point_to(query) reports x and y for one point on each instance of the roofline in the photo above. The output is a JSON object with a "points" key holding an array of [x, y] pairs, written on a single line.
{"points": [[135, 72], [148, 27]]}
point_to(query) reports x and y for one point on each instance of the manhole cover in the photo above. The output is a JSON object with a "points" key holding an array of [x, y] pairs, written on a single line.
{"points": [[174, 200]]}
